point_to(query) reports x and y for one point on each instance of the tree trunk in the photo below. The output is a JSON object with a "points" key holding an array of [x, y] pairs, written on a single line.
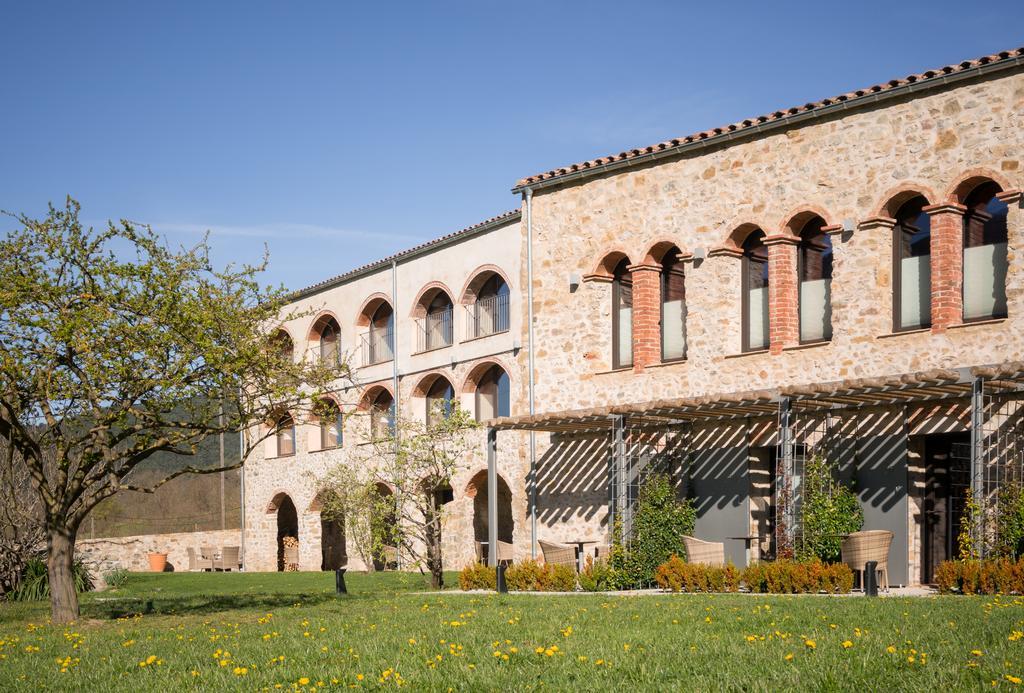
{"points": [[63, 598], [434, 562]]}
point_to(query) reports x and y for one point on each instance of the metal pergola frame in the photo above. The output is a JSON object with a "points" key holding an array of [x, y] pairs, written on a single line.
{"points": [[785, 403]]}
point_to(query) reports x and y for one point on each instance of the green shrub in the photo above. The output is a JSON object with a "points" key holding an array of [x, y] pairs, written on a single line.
{"points": [[559, 578], [779, 577], [988, 576], [116, 578], [477, 576], [659, 523], [530, 576], [35, 581], [1010, 521], [677, 575], [597, 576], [829, 510]]}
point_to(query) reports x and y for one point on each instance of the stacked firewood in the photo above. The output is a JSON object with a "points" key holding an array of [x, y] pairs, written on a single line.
{"points": [[291, 553]]}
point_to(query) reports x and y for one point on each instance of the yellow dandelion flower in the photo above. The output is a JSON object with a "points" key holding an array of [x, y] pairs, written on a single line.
{"points": [[789, 657], [810, 644], [891, 649], [847, 644], [977, 653], [303, 681], [1015, 680]]}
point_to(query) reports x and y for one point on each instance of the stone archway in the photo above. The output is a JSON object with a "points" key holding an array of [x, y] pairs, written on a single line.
{"points": [[287, 526], [477, 489], [333, 553], [385, 521]]}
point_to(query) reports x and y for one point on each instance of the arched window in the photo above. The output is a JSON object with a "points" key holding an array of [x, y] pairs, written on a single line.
{"points": [[492, 394], [281, 344], [489, 312], [912, 266], [284, 432], [328, 332], [985, 259], [673, 307], [435, 329], [815, 269], [440, 399], [379, 344], [382, 415], [622, 316], [329, 419], [755, 292]]}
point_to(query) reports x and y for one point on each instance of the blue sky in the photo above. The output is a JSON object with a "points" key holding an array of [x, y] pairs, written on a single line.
{"points": [[336, 133]]}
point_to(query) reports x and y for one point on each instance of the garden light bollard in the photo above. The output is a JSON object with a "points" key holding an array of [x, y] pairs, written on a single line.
{"points": [[339, 581], [500, 578], [871, 579]]}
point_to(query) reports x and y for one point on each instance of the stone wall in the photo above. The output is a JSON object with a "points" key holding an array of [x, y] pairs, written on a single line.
{"points": [[105, 554]]}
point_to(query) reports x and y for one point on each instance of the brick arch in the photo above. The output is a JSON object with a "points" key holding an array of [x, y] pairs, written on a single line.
{"points": [[894, 198], [477, 278], [478, 369], [656, 252], [317, 326], [426, 295], [793, 223], [734, 241], [369, 306], [281, 330], [969, 180], [427, 380], [606, 265], [323, 396], [276, 499], [371, 393]]}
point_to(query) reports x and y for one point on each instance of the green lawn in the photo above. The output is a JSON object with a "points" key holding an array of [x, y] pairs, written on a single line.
{"points": [[269, 631]]}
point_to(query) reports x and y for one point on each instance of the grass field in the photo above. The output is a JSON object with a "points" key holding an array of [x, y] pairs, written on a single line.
{"points": [[286, 631]]}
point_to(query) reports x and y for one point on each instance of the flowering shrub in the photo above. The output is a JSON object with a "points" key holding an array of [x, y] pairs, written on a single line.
{"points": [[477, 576], [597, 576], [780, 577], [990, 576]]}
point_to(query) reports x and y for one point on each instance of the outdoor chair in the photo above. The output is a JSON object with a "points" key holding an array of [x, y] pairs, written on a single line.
{"points": [[228, 559], [390, 556], [504, 552], [871, 545], [602, 551], [557, 554], [704, 552], [207, 553], [198, 562]]}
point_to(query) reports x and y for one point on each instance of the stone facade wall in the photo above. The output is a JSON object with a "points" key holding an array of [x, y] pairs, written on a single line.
{"points": [[131, 553]]}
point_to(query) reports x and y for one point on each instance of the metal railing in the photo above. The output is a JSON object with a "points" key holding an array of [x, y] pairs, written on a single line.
{"points": [[378, 347], [487, 316], [434, 331]]}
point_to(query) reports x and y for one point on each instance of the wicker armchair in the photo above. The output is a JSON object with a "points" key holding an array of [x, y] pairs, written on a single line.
{"points": [[228, 558], [504, 552], [207, 553], [557, 554], [704, 552], [390, 556], [872, 545], [196, 562]]}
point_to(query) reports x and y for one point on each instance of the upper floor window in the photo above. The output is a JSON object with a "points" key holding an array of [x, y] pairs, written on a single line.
{"points": [[440, 400], [435, 327], [754, 282], [378, 342], [492, 394], [815, 268], [327, 333], [488, 314], [382, 415], [985, 256], [284, 432], [281, 345], [673, 307], [330, 422], [622, 315], [912, 266]]}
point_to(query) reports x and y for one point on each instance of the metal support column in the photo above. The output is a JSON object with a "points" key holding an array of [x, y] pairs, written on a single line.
{"points": [[978, 462], [492, 497], [618, 490], [785, 500]]}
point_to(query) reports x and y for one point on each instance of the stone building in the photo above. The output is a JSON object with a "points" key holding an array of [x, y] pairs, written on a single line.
{"points": [[842, 279]]}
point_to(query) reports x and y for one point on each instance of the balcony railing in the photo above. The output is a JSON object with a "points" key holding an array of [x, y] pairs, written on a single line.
{"points": [[434, 331], [378, 347], [487, 316]]}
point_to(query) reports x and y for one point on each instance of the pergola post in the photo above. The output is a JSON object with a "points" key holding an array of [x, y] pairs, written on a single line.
{"points": [[616, 477], [492, 497], [978, 462], [785, 502]]}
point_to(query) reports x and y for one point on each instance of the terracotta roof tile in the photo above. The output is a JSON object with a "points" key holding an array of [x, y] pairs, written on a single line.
{"points": [[511, 215], [750, 122]]}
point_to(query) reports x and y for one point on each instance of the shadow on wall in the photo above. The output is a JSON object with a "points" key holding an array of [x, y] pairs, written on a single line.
{"points": [[572, 480]]}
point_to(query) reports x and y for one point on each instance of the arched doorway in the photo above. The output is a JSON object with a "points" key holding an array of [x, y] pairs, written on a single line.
{"points": [[478, 489], [333, 554], [287, 526]]}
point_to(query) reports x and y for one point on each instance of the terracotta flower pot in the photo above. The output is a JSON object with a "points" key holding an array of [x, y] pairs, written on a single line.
{"points": [[157, 562]]}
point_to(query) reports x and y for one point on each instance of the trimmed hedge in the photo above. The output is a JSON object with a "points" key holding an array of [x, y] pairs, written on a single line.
{"points": [[527, 576], [988, 576], [778, 577]]}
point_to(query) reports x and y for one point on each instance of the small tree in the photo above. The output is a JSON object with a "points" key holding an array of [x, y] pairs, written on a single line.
{"points": [[115, 347], [830, 509], [416, 460]]}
